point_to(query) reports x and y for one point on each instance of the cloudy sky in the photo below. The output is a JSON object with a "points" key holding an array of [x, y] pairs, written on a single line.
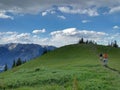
{"points": [[59, 22]]}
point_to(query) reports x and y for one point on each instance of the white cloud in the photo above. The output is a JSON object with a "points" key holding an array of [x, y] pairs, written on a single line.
{"points": [[4, 16], [77, 33], [62, 17], [23, 35], [115, 9], [116, 27], [48, 11], [15, 37], [89, 11], [59, 37], [72, 35], [44, 13], [39, 31], [85, 21]]}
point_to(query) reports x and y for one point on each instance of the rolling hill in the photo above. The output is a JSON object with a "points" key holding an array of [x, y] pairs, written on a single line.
{"points": [[72, 67]]}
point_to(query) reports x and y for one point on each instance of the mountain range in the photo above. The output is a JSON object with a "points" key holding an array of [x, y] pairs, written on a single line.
{"points": [[13, 51]]}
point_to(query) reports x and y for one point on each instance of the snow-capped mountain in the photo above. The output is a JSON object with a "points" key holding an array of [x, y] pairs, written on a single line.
{"points": [[13, 51]]}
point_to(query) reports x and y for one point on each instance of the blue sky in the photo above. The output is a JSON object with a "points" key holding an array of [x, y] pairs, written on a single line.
{"points": [[59, 22]]}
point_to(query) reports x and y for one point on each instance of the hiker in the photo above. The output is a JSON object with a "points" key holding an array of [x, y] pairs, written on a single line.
{"points": [[105, 59], [101, 56]]}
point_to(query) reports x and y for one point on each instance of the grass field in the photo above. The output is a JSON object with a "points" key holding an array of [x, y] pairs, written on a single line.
{"points": [[72, 67]]}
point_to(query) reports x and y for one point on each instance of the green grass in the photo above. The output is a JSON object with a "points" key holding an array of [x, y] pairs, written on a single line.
{"points": [[72, 67]]}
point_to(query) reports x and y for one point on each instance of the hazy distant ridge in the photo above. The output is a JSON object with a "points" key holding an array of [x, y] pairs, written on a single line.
{"points": [[13, 51]]}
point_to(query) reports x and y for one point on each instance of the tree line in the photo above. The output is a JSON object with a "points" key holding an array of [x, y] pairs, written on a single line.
{"points": [[82, 41], [112, 44], [16, 63]]}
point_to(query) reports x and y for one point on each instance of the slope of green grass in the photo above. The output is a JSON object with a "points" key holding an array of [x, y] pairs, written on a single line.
{"points": [[72, 67]]}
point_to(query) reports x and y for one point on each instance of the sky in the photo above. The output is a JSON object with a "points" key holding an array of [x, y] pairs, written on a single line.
{"points": [[59, 22]]}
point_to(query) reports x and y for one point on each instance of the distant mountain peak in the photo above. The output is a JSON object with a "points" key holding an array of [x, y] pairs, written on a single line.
{"points": [[12, 46]]}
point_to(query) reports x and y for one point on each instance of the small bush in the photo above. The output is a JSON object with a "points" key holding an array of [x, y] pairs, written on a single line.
{"points": [[37, 69]]}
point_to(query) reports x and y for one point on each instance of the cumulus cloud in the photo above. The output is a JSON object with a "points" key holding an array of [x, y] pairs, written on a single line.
{"points": [[89, 11], [72, 35], [4, 16], [48, 11], [77, 33], [59, 37], [116, 27], [39, 31], [44, 13], [23, 35], [15, 37]]}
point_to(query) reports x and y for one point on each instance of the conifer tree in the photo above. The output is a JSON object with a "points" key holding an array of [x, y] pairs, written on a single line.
{"points": [[115, 44], [19, 62], [81, 41]]}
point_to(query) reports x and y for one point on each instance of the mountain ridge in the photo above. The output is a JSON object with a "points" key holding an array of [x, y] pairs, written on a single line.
{"points": [[13, 51]]}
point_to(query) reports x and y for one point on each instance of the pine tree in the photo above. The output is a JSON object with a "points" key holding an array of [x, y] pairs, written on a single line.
{"points": [[115, 44], [81, 41], [19, 62]]}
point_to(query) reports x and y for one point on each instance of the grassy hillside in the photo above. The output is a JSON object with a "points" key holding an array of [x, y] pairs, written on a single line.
{"points": [[72, 67]]}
